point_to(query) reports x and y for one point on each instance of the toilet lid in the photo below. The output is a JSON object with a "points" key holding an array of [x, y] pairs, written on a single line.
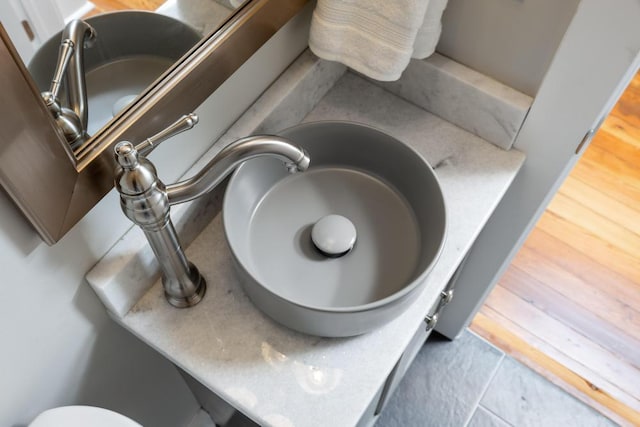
{"points": [[82, 416]]}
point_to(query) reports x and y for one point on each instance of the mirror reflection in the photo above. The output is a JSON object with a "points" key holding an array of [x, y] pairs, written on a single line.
{"points": [[91, 60]]}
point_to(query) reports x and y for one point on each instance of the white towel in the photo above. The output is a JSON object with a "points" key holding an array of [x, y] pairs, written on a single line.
{"points": [[429, 32], [376, 37]]}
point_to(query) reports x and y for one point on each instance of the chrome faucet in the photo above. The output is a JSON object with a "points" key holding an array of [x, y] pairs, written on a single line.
{"points": [[72, 121], [146, 200]]}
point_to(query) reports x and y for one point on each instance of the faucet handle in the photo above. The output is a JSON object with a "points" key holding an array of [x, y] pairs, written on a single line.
{"points": [[184, 123]]}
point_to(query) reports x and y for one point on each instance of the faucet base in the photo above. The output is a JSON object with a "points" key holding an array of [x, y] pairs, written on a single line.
{"points": [[196, 281]]}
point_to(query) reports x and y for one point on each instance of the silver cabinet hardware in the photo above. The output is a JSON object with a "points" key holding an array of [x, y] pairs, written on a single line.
{"points": [[431, 321], [445, 297]]}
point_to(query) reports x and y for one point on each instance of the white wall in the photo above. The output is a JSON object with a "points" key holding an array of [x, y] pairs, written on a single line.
{"points": [[512, 41], [70, 7], [10, 16], [58, 345], [44, 20]]}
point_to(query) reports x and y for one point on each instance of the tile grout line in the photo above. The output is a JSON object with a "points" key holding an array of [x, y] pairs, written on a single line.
{"points": [[494, 414], [485, 388]]}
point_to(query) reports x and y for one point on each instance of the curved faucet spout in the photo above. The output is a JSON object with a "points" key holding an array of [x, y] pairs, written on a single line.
{"points": [[80, 35], [295, 158], [146, 200], [72, 121]]}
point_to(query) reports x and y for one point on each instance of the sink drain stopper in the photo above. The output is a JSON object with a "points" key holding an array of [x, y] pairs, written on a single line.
{"points": [[333, 236]]}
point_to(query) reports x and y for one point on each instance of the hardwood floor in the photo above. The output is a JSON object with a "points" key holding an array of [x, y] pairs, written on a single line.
{"points": [[102, 6], [569, 304]]}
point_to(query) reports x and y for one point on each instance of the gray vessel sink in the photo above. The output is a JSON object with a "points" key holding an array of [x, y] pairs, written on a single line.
{"points": [[383, 187], [132, 49]]}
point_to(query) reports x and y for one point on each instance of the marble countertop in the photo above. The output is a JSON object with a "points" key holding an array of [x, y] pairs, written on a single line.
{"points": [[274, 375]]}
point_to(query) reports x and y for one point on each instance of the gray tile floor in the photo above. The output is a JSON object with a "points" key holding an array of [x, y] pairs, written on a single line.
{"points": [[468, 382]]}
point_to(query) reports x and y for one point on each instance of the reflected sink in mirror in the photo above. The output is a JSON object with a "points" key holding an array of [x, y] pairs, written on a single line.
{"points": [[344, 247], [132, 49]]}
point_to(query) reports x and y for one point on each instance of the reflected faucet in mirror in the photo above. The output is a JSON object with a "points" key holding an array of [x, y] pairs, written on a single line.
{"points": [[132, 49], [69, 182], [35, 27], [146, 201], [72, 120]]}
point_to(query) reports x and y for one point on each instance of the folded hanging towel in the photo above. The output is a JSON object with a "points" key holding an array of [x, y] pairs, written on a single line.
{"points": [[375, 37], [429, 32]]}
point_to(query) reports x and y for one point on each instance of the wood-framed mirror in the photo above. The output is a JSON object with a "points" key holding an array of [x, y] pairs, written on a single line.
{"points": [[130, 45], [55, 187]]}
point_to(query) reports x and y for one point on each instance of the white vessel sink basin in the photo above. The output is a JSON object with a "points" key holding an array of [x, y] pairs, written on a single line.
{"points": [[380, 186], [132, 49]]}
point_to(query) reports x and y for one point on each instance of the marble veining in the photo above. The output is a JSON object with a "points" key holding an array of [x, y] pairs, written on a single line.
{"points": [[274, 375], [464, 97], [292, 109]]}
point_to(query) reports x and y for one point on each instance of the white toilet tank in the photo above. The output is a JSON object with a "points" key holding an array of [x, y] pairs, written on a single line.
{"points": [[82, 416]]}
